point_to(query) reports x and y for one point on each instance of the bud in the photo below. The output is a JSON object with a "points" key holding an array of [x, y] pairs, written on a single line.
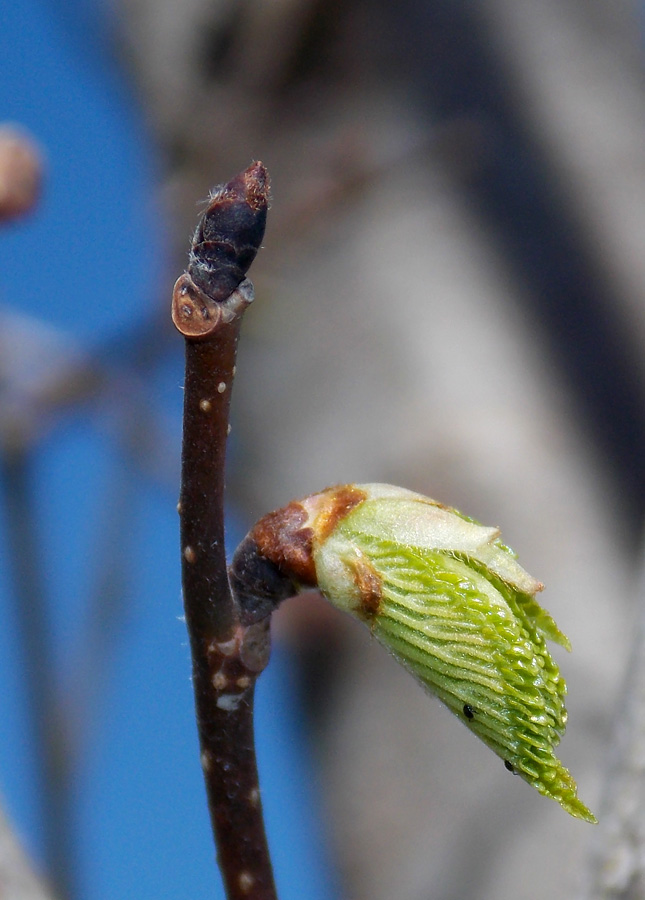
{"points": [[448, 599], [230, 232]]}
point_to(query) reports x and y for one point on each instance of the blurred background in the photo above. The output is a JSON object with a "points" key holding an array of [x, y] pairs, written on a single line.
{"points": [[450, 298]]}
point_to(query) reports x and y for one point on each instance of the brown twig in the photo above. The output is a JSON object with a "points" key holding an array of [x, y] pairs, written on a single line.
{"points": [[208, 303]]}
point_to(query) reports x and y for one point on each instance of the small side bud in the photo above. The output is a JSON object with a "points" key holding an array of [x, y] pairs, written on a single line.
{"points": [[230, 233], [450, 601]]}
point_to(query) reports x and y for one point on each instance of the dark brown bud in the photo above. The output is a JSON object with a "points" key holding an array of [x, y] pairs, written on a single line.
{"points": [[230, 233]]}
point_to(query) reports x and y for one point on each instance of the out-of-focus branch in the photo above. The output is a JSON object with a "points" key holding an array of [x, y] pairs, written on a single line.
{"points": [[47, 713], [21, 168], [617, 862], [45, 377], [17, 879]]}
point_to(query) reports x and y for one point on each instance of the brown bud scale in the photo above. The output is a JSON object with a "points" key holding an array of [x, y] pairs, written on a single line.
{"points": [[284, 538], [193, 314], [332, 505]]}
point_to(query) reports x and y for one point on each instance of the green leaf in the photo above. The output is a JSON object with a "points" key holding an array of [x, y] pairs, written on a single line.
{"points": [[451, 603]]}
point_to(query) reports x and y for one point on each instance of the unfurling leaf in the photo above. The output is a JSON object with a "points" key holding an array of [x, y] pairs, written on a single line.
{"points": [[449, 600]]}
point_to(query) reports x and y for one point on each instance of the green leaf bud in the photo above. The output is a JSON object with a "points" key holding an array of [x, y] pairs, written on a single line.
{"points": [[450, 601]]}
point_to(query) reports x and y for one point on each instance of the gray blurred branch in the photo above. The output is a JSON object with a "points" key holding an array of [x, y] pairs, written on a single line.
{"points": [[47, 711], [17, 879], [617, 862]]}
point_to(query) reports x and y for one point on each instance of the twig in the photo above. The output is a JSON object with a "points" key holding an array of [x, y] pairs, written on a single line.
{"points": [[208, 303]]}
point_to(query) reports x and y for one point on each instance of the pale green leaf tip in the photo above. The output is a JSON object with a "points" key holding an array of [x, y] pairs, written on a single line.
{"points": [[450, 601]]}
